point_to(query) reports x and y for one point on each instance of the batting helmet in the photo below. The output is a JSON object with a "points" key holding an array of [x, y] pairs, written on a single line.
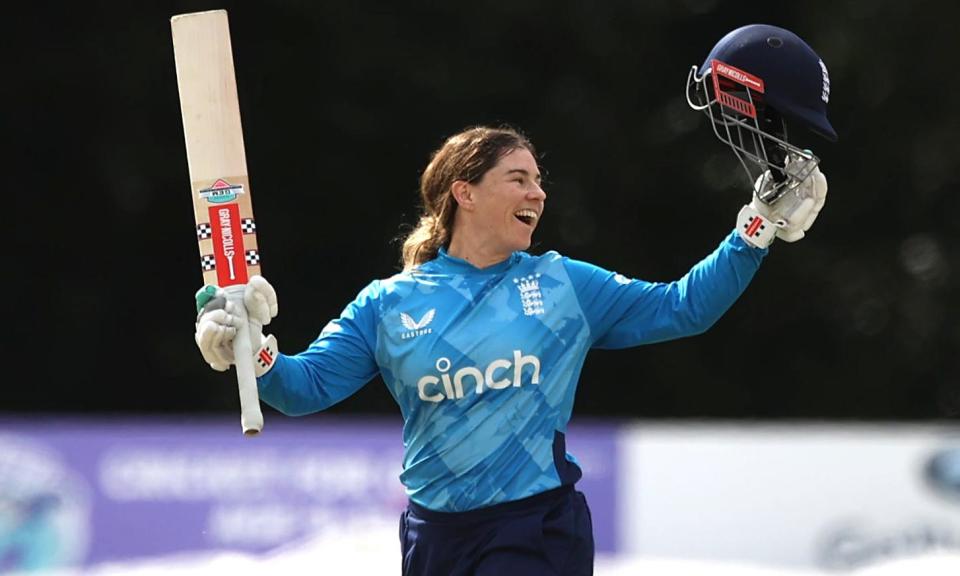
{"points": [[755, 79]]}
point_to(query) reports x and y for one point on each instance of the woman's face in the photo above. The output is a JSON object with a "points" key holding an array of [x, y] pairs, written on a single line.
{"points": [[509, 201]]}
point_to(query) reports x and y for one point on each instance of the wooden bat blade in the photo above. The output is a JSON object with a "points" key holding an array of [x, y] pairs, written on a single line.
{"points": [[223, 207], [220, 187]]}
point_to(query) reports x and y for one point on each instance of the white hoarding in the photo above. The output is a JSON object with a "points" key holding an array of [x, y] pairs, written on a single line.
{"points": [[804, 496]]}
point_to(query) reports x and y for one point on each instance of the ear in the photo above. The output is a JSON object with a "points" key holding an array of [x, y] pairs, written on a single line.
{"points": [[463, 193]]}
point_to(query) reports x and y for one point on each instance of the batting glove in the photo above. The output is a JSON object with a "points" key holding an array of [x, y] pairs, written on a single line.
{"points": [[261, 300], [790, 216], [217, 325]]}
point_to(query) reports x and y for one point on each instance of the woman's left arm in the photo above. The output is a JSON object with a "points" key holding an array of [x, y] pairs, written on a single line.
{"points": [[624, 312]]}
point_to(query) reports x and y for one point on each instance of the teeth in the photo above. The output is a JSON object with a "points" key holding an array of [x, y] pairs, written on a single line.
{"points": [[526, 214]]}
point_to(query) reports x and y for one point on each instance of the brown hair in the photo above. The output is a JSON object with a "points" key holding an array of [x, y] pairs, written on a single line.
{"points": [[464, 156]]}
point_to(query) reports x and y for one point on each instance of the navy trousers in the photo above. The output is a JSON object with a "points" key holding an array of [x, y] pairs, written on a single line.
{"points": [[549, 534]]}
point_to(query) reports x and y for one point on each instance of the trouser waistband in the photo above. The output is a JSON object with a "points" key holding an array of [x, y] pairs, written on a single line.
{"points": [[497, 510]]}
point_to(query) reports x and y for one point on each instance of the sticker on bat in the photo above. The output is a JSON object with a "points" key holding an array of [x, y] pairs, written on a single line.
{"points": [[221, 191], [228, 248]]}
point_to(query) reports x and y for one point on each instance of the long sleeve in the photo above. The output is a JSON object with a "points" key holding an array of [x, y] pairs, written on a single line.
{"points": [[338, 363], [623, 312]]}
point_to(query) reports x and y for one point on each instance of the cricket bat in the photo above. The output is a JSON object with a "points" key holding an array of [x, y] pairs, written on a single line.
{"points": [[219, 182]]}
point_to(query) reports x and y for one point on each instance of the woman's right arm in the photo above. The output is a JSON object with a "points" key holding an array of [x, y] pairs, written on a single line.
{"points": [[338, 363]]}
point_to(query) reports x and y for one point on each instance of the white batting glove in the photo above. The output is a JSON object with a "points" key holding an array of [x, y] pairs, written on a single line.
{"points": [[790, 216], [216, 328], [217, 325], [260, 299]]}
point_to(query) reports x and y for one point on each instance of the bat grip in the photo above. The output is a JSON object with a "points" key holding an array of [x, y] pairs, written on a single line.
{"points": [[251, 419]]}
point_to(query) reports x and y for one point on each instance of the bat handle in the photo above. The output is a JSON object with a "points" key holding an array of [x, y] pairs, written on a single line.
{"points": [[250, 416]]}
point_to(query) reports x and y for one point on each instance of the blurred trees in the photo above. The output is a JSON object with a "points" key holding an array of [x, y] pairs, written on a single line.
{"points": [[342, 106]]}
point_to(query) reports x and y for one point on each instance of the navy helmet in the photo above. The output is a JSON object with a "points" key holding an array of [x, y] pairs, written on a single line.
{"points": [[797, 83], [754, 82]]}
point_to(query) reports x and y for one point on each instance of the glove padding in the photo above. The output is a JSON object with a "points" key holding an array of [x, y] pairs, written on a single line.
{"points": [[217, 324], [216, 329], [260, 299], [791, 215]]}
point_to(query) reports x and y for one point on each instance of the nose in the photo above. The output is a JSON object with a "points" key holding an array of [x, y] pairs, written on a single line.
{"points": [[536, 193]]}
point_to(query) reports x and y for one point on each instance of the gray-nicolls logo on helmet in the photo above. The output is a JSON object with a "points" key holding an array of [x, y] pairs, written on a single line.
{"points": [[756, 79]]}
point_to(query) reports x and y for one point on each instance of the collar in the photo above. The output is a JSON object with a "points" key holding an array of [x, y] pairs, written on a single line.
{"points": [[459, 265]]}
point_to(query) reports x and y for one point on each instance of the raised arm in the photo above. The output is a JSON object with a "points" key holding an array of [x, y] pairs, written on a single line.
{"points": [[337, 364], [624, 312]]}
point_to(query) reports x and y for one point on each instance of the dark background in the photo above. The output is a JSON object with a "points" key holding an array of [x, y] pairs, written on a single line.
{"points": [[342, 104]]}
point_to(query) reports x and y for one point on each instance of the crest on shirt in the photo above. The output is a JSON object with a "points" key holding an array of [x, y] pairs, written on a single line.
{"points": [[414, 327], [530, 296]]}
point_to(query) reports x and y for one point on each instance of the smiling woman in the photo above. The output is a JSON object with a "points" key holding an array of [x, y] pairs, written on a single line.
{"points": [[497, 215], [482, 344], [475, 189]]}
